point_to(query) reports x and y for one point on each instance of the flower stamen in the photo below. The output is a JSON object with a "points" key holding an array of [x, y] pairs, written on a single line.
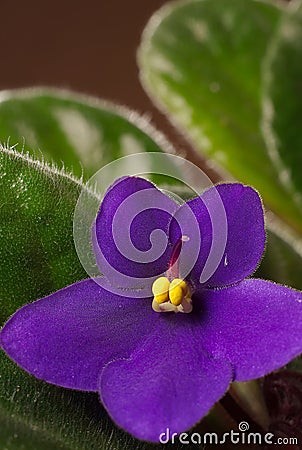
{"points": [[160, 290], [177, 291], [174, 296]]}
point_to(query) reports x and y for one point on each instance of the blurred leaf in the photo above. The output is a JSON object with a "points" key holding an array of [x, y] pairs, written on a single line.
{"points": [[200, 61], [282, 103], [15, 435], [282, 391], [45, 416], [84, 133], [282, 262], [296, 364]]}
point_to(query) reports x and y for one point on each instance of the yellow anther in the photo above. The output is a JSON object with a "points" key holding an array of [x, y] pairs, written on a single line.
{"points": [[176, 295], [177, 291], [161, 298], [160, 290], [180, 283], [171, 297]]}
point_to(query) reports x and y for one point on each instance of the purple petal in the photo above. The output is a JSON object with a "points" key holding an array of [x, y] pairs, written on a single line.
{"points": [[233, 259], [167, 383], [257, 325], [131, 233], [67, 337]]}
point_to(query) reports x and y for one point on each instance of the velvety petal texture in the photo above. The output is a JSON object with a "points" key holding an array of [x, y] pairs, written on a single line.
{"points": [[131, 233], [163, 370], [169, 382], [256, 325], [245, 239], [67, 337]]}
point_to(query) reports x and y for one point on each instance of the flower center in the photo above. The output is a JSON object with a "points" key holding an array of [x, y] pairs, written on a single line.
{"points": [[174, 296]]}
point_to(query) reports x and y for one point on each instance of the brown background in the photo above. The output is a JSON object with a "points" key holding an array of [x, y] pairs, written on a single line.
{"points": [[89, 46]]}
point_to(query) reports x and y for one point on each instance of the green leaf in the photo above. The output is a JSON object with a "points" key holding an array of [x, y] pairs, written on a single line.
{"points": [[282, 262], [200, 61], [59, 418], [84, 133], [38, 256], [282, 102], [15, 435]]}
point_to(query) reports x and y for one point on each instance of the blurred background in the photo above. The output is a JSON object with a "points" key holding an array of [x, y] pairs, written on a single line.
{"points": [[85, 46], [89, 46]]}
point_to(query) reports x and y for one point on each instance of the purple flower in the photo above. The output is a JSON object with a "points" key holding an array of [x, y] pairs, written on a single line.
{"points": [[156, 369]]}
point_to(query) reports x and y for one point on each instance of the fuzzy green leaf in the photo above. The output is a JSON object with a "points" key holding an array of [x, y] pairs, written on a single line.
{"points": [[82, 132], [38, 257]]}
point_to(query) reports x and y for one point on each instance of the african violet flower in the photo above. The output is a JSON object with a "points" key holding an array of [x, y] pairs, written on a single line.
{"points": [[162, 361]]}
